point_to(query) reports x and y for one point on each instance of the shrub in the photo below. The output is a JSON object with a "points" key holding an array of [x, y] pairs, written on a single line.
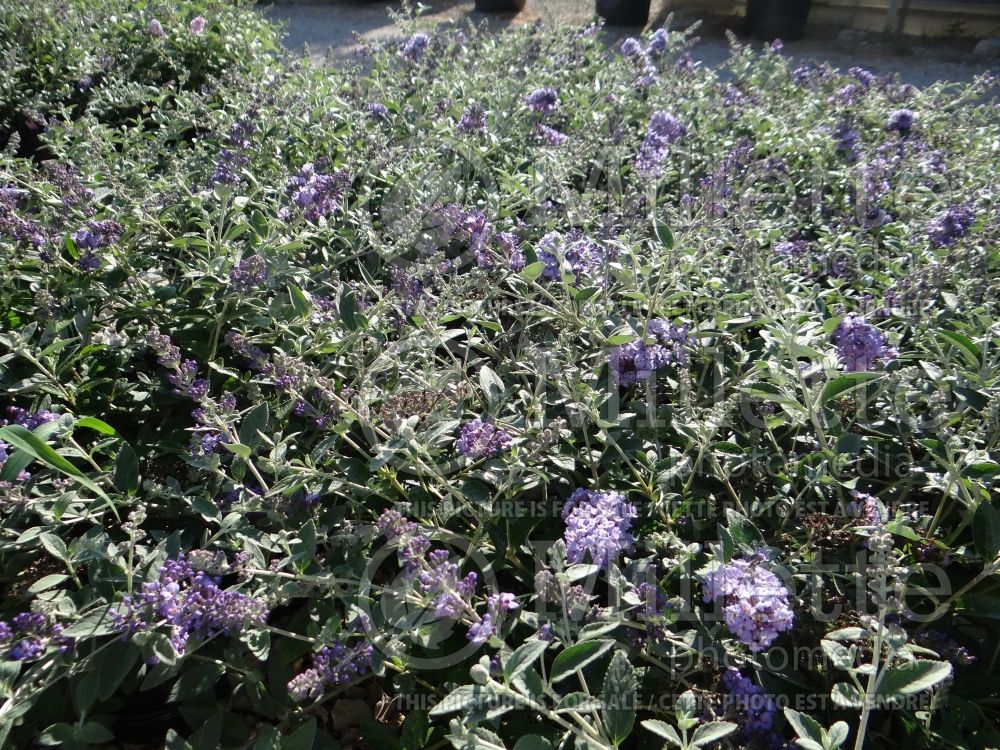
{"points": [[564, 395]]}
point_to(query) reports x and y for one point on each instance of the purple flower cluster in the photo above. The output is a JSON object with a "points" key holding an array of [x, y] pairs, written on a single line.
{"points": [[543, 101], [469, 225], [197, 26], [233, 157], [946, 646], [599, 523], [192, 603], [497, 605], [186, 382], [439, 580], [641, 59], [900, 120], [658, 42], [510, 247], [848, 141], [638, 360], [865, 509], [13, 224], [753, 710], [587, 259], [480, 439], [332, 666], [473, 120], [949, 226], [664, 129], [156, 29], [550, 136], [632, 47], [249, 274], [317, 195], [755, 602], [861, 345], [28, 420], [97, 234], [415, 46], [653, 614], [378, 112], [29, 634]]}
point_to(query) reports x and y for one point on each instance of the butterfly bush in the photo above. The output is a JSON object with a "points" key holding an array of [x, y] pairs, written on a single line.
{"points": [[402, 402]]}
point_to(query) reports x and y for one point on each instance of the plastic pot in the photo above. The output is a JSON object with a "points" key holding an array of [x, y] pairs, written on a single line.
{"points": [[776, 19], [624, 12], [500, 6]]}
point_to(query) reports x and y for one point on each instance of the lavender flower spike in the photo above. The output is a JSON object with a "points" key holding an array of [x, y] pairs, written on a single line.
{"points": [[861, 345], [755, 602], [599, 523]]}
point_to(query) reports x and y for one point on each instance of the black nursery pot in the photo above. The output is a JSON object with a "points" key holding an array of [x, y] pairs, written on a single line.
{"points": [[777, 19], [500, 6], [624, 12]]}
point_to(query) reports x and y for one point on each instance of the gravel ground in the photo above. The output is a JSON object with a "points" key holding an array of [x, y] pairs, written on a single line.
{"points": [[327, 29]]}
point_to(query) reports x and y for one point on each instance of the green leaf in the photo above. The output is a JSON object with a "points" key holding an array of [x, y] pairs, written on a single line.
{"points": [[195, 680], [54, 545], [846, 634], [46, 582], [126, 476], [664, 730], [972, 353], [663, 234], [804, 725], [254, 423], [208, 734], [522, 658], [98, 425], [14, 465], [348, 309], [56, 734], [122, 656], [466, 696], [577, 657], [712, 731], [239, 449], [914, 677], [742, 529], [300, 303], [267, 738], [846, 695], [30, 443], [839, 655], [986, 530], [844, 384], [533, 270], [493, 387], [416, 729], [622, 338], [619, 696], [839, 733], [93, 733]]}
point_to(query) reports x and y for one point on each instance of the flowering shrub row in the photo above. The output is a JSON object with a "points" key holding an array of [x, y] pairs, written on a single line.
{"points": [[497, 391]]}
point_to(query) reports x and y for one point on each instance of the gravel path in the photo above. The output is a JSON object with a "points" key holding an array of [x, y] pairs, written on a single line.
{"points": [[327, 29]]}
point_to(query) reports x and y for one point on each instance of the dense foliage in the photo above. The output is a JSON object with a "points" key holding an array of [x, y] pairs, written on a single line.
{"points": [[501, 391]]}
